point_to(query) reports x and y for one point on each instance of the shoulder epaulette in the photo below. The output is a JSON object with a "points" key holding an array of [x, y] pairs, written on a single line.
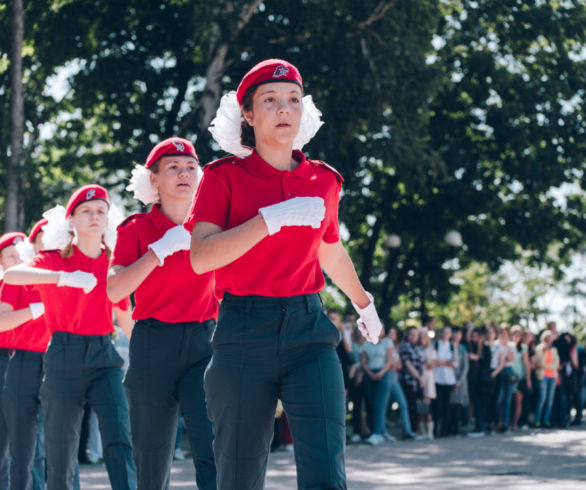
{"points": [[228, 159], [319, 163], [129, 218]]}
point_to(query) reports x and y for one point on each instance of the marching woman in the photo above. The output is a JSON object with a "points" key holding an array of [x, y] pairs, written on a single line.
{"points": [[9, 257], [175, 311], [81, 364], [21, 309], [267, 224]]}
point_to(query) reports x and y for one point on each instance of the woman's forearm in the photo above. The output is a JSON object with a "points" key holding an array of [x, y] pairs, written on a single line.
{"points": [[23, 274], [212, 248], [336, 262], [14, 318], [123, 281]]}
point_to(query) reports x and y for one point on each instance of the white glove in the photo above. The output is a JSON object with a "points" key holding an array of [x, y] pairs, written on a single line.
{"points": [[37, 309], [78, 279], [369, 323], [299, 211], [174, 239]]}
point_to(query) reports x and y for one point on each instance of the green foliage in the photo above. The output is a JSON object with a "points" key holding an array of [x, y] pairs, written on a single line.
{"points": [[441, 115]]}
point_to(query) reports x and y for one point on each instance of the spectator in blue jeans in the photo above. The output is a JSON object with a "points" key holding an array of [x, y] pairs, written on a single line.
{"points": [[377, 362], [396, 391], [505, 373], [547, 364]]}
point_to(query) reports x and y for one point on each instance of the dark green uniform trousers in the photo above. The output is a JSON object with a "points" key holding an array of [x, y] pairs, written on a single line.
{"points": [[22, 410], [4, 458], [165, 375], [267, 349], [80, 369]]}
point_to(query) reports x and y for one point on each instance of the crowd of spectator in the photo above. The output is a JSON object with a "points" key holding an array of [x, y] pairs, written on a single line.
{"points": [[459, 381]]}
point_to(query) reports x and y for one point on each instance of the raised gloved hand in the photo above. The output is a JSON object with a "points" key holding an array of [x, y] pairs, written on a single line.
{"points": [[78, 279], [174, 239], [37, 309], [299, 211], [369, 323]]}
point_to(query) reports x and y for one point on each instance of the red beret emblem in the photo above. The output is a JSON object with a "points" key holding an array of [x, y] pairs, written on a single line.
{"points": [[90, 194], [280, 71], [180, 146]]}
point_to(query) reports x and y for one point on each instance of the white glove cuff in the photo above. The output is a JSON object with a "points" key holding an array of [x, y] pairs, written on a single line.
{"points": [[368, 308], [63, 276], [37, 309], [154, 248], [272, 224]]}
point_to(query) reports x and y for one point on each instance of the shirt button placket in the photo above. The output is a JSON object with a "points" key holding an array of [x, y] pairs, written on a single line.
{"points": [[286, 190]]}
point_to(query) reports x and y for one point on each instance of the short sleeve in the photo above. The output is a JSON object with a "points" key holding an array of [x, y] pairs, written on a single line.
{"points": [[123, 304], [10, 294], [332, 231], [127, 249], [44, 260], [211, 203]]}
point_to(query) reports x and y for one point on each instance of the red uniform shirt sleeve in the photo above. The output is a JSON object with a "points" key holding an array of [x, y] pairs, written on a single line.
{"points": [[127, 248], [42, 261], [211, 202], [332, 230], [123, 304], [10, 294]]}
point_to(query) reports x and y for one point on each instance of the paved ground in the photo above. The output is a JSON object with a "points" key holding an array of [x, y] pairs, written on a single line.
{"points": [[540, 459]]}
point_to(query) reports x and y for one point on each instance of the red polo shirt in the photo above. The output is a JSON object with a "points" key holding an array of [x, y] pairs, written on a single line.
{"points": [[6, 338], [171, 293], [285, 264], [34, 334], [70, 309]]}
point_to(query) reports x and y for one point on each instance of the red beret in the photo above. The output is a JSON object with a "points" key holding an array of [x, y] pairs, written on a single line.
{"points": [[36, 229], [171, 146], [268, 71], [11, 238], [86, 193]]}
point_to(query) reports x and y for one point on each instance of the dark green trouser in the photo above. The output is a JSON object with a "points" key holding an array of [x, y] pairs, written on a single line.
{"points": [[267, 349], [4, 458], [22, 410], [165, 375], [80, 368]]}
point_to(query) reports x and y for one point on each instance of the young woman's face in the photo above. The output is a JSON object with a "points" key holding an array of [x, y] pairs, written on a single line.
{"points": [[424, 339], [9, 257], [90, 218], [491, 334], [457, 336], [276, 113], [446, 334], [516, 336], [176, 178]]}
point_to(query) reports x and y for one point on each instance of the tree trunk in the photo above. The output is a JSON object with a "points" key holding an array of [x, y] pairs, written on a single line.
{"points": [[220, 43], [386, 297], [400, 281], [13, 171]]}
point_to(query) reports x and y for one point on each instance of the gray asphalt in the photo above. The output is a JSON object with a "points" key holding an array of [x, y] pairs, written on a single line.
{"points": [[553, 459]]}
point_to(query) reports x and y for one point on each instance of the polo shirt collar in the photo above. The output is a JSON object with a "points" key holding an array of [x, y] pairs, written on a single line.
{"points": [[160, 221], [260, 168], [78, 255]]}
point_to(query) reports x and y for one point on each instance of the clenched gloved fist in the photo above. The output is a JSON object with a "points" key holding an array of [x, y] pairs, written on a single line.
{"points": [[299, 211], [174, 240], [78, 279], [369, 323]]}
